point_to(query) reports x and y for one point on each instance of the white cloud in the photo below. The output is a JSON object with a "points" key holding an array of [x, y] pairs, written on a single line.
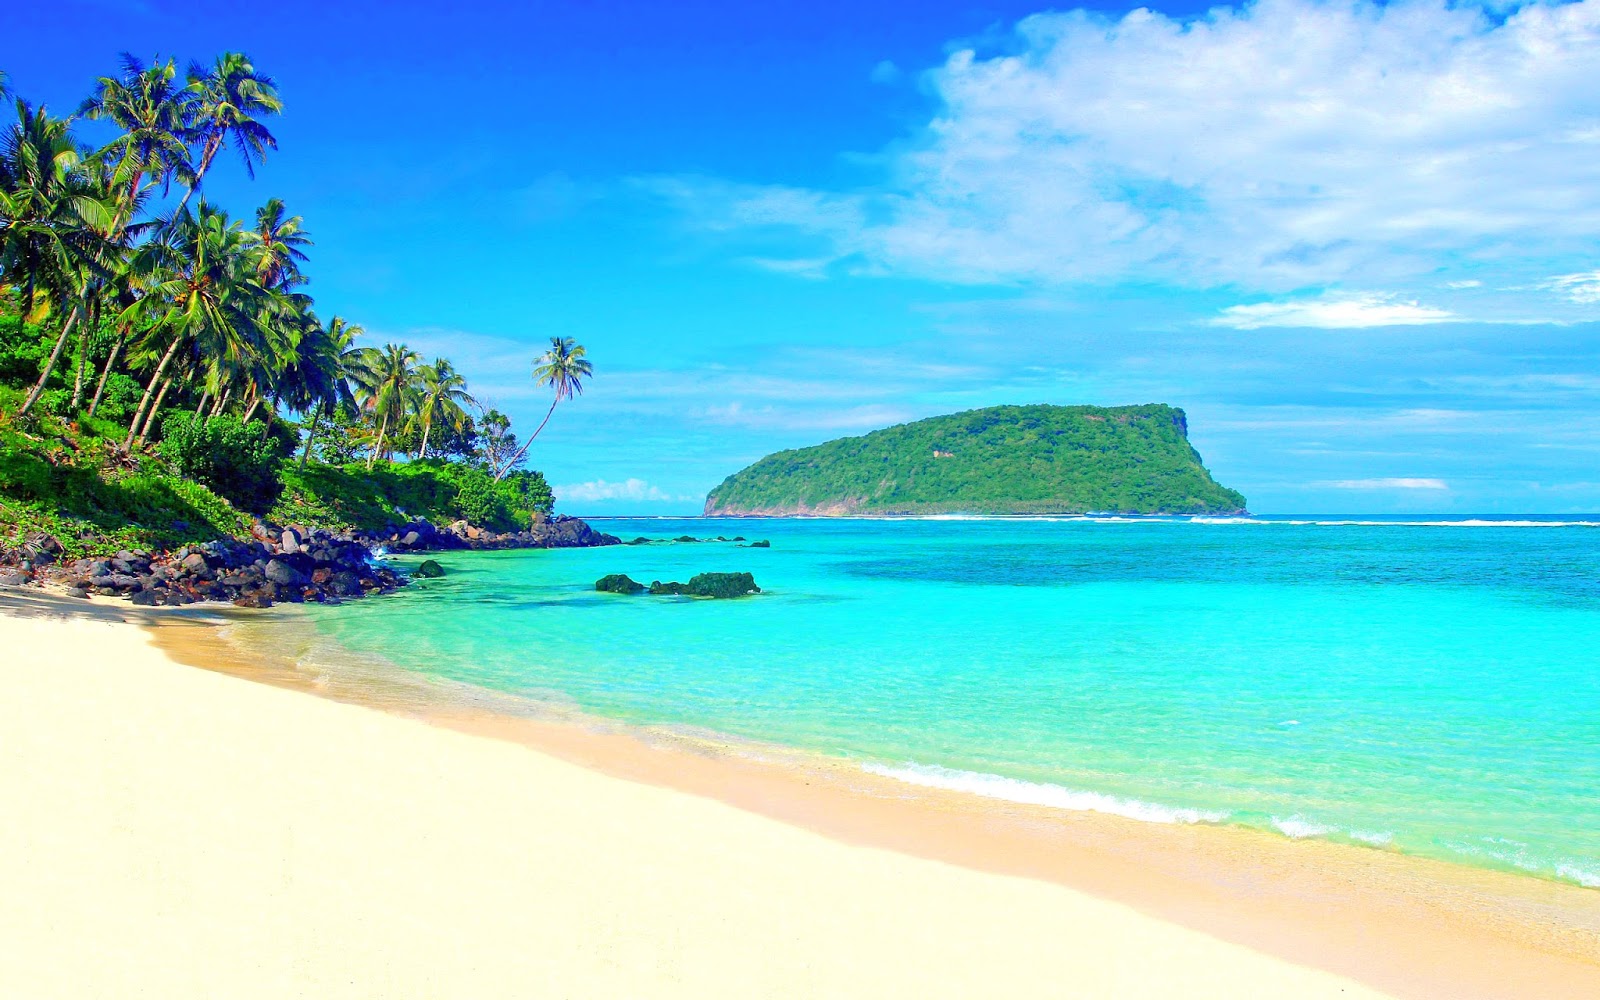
{"points": [[1583, 288], [600, 489], [1385, 484], [1458, 285], [1274, 145], [1333, 312]]}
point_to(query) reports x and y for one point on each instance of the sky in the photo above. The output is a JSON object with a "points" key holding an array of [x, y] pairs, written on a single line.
{"points": [[1358, 243]]}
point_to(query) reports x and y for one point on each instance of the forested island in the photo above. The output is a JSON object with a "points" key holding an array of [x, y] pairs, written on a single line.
{"points": [[998, 460]]}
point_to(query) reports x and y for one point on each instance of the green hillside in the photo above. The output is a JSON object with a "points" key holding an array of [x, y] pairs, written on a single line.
{"points": [[998, 460]]}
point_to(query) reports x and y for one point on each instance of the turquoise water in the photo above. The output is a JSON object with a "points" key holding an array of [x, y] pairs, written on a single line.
{"points": [[1432, 688]]}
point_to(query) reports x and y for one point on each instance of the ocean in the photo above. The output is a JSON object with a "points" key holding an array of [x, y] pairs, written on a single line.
{"points": [[1429, 687]]}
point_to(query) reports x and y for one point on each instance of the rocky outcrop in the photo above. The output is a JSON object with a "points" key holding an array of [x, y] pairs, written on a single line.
{"points": [[275, 564]]}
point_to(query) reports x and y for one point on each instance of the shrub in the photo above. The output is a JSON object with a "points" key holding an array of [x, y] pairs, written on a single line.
{"points": [[236, 460]]}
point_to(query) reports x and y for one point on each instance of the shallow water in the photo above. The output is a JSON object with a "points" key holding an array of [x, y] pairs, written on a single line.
{"points": [[1427, 687]]}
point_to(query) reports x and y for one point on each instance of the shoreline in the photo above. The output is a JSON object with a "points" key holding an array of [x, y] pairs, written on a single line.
{"points": [[1287, 897], [1405, 925]]}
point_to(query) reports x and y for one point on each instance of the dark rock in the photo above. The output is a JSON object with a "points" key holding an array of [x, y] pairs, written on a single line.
{"points": [[195, 563], [763, 544], [619, 583], [252, 601], [321, 575], [78, 592], [146, 599], [641, 540], [686, 538], [281, 571], [710, 585], [429, 570], [345, 584]]}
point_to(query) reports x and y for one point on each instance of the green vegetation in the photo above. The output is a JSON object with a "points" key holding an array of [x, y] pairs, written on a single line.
{"points": [[999, 460], [161, 364]]}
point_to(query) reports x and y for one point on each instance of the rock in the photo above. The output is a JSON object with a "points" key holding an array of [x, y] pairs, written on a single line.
{"points": [[13, 579], [146, 599], [195, 563], [291, 540], [321, 575], [78, 592], [763, 544], [686, 538], [280, 571], [710, 585], [345, 584], [619, 583], [252, 601], [429, 570], [411, 539], [641, 540]]}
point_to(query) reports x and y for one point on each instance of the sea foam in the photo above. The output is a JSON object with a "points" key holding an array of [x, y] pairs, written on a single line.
{"points": [[997, 786]]}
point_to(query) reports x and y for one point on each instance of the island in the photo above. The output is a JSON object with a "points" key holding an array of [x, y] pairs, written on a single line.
{"points": [[1037, 459]]}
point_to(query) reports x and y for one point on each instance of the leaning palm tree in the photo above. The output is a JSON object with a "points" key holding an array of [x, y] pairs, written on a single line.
{"points": [[443, 400], [51, 225], [389, 389], [203, 293], [229, 100], [563, 368]]}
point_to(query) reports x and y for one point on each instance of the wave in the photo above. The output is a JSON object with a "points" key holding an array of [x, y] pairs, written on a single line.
{"points": [[1354, 523], [1035, 793]]}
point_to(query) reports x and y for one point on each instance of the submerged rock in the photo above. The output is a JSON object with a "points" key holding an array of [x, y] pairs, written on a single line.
{"points": [[763, 544], [429, 570], [618, 583]]}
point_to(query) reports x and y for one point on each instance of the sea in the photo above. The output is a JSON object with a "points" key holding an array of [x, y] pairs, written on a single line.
{"points": [[1424, 686]]}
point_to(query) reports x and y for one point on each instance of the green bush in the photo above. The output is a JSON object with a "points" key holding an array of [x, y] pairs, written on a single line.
{"points": [[239, 461]]}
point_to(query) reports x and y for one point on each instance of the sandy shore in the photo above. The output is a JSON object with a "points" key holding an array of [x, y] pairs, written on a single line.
{"points": [[172, 832]]}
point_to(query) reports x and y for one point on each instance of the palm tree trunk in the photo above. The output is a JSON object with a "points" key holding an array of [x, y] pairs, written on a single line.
{"points": [[427, 431], [205, 396], [514, 459], [99, 390], [144, 400], [383, 431], [200, 175], [83, 361], [252, 410], [311, 432], [50, 365], [221, 403], [150, 421]]}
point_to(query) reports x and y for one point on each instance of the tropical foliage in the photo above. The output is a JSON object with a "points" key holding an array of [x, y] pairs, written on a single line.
{"points": [[998, 460], [146, 330]]}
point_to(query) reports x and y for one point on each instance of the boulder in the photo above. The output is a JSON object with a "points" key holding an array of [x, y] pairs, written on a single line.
{"points": [[13, 579], [252, 601], [291, 540], [195, 563], [429, 570], [618, 583], [763, 544], [282, 572], [78, 592], [686, 538]]}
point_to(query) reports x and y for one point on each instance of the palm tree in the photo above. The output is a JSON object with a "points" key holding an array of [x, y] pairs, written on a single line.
{"points": [[229, 99], [203, 292], [389, 385], [563, 368], [444, 399], [330, 368], [156, 119], [281, 241], [51, 224]]}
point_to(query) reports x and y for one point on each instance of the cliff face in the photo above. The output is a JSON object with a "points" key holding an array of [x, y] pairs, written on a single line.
{"points": [[998, 460]]}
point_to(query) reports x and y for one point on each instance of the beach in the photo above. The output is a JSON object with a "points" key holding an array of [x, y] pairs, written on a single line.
{"points": [[175, 833], [182, 832]]}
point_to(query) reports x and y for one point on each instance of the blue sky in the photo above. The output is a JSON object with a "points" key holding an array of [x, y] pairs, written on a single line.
{"points": [[1359, 244]]}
